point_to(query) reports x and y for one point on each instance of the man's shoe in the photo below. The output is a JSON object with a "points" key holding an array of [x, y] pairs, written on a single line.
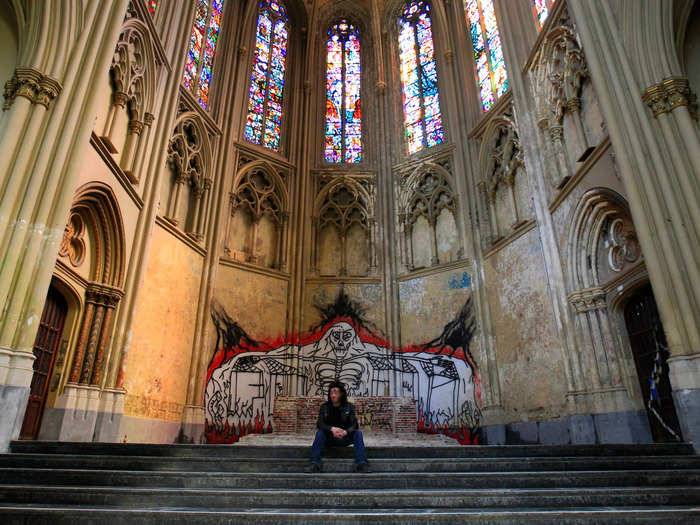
{"points": [[363, 467], [315, 467]]}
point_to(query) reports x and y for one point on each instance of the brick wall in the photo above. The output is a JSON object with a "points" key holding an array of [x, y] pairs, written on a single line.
{"points": [[381, 414]]}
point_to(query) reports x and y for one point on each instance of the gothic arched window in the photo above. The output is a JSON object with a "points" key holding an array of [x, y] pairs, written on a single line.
{"points": [[491, 75], [343, 113], [421, 101], [263, 124], [200, 54], [541, 9]]}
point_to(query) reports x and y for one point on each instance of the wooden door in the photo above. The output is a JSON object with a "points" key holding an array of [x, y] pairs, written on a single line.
{"points": [[48, 339], [646, 337]]}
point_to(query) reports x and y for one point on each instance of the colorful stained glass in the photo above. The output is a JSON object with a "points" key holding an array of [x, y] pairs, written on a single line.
{"points": [[152, 5], [421, 100], [200, 53], [491, 75], [343, 111], [264, 121], [541, 9]]}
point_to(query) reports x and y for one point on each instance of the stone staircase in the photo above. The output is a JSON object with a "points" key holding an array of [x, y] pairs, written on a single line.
{"points": [[76, 483]]}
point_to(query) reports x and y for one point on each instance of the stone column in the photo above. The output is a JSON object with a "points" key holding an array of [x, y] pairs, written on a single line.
{"points": [[129, 155], [116, 120], [657, 193]]}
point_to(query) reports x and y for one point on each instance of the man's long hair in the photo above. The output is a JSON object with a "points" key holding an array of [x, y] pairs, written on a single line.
{"points": [[343, 394]]}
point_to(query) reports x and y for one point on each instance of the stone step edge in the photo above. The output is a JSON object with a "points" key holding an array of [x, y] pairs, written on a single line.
{"points": [[184, 512], [359, 492]]}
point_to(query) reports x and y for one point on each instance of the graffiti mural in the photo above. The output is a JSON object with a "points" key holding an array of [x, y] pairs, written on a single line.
{"points": [[245, 375]]}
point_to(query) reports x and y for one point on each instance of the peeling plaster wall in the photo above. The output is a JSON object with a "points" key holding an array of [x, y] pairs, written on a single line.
{"points": [[528, 350], [257, 302], [369, 296], [427, 303], [158, 362]]}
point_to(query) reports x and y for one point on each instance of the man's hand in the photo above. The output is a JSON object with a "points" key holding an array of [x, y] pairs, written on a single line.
{"points": [[338, 433]]}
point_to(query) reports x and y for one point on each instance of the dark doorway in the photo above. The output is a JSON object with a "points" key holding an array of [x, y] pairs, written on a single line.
{"points": [[48, 339], [646, 337]]}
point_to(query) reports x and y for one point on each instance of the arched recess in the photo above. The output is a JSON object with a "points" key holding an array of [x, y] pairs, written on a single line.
{"points": [[96, 207], [259, 190], [133, 74], [603, 256], [503, 182], [345, 206], [425, 193], [190, 157]]}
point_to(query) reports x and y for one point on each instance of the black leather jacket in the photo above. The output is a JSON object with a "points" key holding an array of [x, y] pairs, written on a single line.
{"points": [[347, 416]]}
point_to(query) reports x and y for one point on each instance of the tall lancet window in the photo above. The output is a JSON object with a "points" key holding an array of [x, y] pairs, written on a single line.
{"points": [[343, 113], [264, 122], [152, 6], [421, 101], [200, 54], [541, 9], [491, 75]]}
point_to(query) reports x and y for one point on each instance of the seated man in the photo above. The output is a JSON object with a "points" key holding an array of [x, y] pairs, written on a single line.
{"points": [[337, 427]]}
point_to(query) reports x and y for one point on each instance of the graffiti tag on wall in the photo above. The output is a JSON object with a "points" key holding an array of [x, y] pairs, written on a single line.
{"points": [[245, 375]]}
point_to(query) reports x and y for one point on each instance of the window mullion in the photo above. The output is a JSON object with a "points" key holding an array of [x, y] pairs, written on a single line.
{"points": [[267, 81], [419, 66]]}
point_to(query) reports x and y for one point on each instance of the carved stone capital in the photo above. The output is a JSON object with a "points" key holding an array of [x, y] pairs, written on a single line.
{"points": [[678, 92], [49, 89], [24, 83], [148, 119], [557, 133], [573, 105], [655, 98], [449, 57], [135, 126], [588, 300], [119, 99], [103, 295], [381, 87]]}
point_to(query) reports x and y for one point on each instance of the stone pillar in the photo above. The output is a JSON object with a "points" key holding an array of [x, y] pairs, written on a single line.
{"points": [[662, 194], [116, 120]]}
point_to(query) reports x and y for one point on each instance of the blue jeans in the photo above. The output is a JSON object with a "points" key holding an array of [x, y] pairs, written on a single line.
{"points": [[326, 439]]}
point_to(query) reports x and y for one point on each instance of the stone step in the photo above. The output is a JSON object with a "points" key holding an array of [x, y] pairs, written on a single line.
{"points": [[341, 480], [474, 451], [257, 464], [94, 515], [350, 498]]}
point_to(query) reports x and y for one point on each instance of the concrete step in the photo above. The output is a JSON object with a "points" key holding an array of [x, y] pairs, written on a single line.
{"points": [[95, 515], [476, 451], [350, 498], [341, 480], [256, 464]]}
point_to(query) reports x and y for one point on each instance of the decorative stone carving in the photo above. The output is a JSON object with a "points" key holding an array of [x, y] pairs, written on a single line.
{"points": [[259, 193], [624, 246], [73, 244], [588, 300], [670, 94], [32, 85]]}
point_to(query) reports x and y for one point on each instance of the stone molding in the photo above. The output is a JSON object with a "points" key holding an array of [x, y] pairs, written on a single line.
{"points": [[670, 94], [588, 300]]}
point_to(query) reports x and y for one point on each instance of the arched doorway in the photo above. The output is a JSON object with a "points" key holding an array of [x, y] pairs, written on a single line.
{"points": [[646, 339], [46, 346]]}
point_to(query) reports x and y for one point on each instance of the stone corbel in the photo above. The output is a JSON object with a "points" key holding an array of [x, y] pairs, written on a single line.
{"points": [[588, 300]]}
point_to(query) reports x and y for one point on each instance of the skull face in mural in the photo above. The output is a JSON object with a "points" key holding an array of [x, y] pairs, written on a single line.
{"points": [[336, 356]]}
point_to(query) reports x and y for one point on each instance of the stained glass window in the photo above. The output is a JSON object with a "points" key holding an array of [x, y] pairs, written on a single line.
{"points": [[200, 54], [152, 5], [343, 113], [491, 75], [264, 121], [421, 100], [541, 9]]}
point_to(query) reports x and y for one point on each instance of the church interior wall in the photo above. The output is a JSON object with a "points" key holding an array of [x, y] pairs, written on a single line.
{"points": [[473, 242], [157, 365]]}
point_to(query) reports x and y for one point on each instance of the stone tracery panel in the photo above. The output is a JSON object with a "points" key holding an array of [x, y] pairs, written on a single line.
{"points": [[257, 227], [428, 204], [344, 227], [190, 160], [557, 76], [134, 73], [503, 184]]}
